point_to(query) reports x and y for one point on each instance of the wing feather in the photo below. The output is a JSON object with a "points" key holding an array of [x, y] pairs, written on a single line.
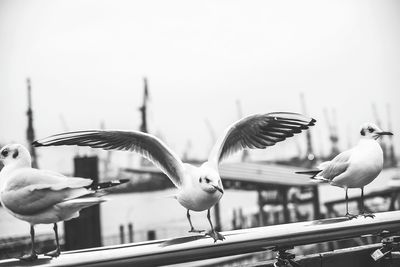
{"points": [[335, 167], [146, 145], [258, 131], [29, 191]]}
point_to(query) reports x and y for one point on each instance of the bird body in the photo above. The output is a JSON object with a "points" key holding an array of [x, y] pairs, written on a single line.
{"points": [[356, 167], [41, 196], [353, 168], [191, 195], [364, 165], [199, 188]]}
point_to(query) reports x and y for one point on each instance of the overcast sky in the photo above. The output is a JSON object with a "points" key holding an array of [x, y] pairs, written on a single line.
{"points": [[87, 59]]}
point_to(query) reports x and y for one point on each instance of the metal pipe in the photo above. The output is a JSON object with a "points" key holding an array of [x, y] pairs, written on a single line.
{"points": [[198, 247]]}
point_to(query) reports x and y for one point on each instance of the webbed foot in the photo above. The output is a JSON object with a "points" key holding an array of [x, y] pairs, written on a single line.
{"points": [[215, 235], [29, 257], [351, 216], [366, 214]]}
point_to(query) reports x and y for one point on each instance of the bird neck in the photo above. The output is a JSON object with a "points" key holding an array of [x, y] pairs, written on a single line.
{"points": [[367, 139], [19, 163], [369, 143]]}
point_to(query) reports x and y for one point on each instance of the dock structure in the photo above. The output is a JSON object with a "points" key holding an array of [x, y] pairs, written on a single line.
{"points": [[198, 247], [272, 182]]}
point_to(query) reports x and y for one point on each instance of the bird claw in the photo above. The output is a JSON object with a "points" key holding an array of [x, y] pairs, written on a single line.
{"points": [[54, 254], [215, 235], [30, 257], [368, 215], [196, 231], [351, 216]]}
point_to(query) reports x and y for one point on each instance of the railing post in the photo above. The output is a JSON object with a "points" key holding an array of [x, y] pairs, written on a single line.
{"points": [[286, 214], [151, 235], [260, 208], [217, 217], [316, 208], [121, 234], [130, 231]]}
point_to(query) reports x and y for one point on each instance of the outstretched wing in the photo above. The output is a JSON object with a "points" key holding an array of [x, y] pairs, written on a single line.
{"points": [[258, 131], [145, 144]]}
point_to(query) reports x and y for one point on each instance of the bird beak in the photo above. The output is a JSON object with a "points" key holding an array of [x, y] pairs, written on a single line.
{"points": [[219, 189], [385, 133]]}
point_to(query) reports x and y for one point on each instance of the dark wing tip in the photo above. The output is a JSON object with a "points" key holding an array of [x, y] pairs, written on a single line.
{"points": [[302, 172], [312, 122], [313, 173], [121, 181], [109, 184], [36, 143]]}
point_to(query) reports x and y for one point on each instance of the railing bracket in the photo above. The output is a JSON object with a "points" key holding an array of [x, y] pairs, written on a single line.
{"points": [[285, 258], [390, 249]]}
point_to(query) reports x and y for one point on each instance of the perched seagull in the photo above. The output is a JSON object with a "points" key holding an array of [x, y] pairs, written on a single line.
{"points": [[43, 197], [356, 167], [200, 188]]}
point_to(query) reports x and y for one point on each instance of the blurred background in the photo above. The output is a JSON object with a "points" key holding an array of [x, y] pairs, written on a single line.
{"points": [[184, 71]]}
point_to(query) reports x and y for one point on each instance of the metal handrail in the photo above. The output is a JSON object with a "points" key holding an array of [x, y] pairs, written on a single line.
{"points": [[198, 247]]}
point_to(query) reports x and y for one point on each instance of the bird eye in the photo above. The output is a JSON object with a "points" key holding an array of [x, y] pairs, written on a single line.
{"points": [[207, 180], [4, 153], [370, 130], [200, 180]]}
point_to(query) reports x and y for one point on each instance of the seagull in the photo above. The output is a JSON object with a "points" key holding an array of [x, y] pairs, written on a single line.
{"points": [[356, 167], [42, 196], [199, 188]]}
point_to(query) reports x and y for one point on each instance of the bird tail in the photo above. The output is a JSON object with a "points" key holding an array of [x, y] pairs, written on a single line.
{"points": [[70, 208], [79, 203], [319, 180], [85, 201], [313, 173], [104, 188], [109, 184]]}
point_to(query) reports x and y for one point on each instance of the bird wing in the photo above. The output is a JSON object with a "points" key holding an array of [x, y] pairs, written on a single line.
{"points": [[145, 144], [258, 131], [335, 167], [29, 191]]}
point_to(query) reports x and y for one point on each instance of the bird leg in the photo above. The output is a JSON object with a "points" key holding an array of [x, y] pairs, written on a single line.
{"points": [[192, 230], [33, 255], [363, 212], [348, 215], [212, 233], [56, 252]]}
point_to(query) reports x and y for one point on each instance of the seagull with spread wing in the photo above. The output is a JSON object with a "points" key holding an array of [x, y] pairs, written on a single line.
{"points": [[41, 196], [200, 188], [356, 167]]}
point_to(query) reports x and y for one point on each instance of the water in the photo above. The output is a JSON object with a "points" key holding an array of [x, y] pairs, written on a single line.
{"points": [[154, 211]]}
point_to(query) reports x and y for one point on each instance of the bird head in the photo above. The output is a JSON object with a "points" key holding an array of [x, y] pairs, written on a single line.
{"points": [[15, 153], [210, 181], [372, 131]]}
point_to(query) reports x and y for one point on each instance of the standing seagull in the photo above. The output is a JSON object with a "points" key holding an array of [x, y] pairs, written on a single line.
{"points": [[356, 167], [200, 188], [40, 196]]}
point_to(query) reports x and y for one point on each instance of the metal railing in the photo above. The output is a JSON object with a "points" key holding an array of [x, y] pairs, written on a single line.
{"points": [[198, 247]]}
